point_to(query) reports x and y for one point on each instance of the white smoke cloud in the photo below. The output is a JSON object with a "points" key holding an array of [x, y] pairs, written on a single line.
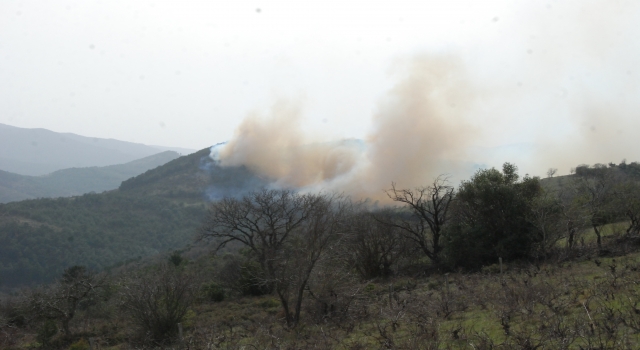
{"points": [[563, 90], [418, 132]]}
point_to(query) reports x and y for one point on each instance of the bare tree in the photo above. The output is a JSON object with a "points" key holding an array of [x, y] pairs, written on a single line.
{"points": [[574, 216], [61, 301], [627, 201], [594, 191], [287, 233], [373, 247], [304, 251], [428, 209], [547, 218], [158, 300], [261, 220]]}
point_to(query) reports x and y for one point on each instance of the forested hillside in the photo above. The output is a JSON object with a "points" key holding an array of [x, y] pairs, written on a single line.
{"points": [[76, 181], [157, 211]]}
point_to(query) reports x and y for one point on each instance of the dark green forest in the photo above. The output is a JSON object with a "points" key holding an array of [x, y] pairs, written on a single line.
{"points": [[42, 237], [154, 212]]}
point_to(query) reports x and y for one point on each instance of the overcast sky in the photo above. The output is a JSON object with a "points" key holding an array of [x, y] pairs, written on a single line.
{"points": [[186, 73]]}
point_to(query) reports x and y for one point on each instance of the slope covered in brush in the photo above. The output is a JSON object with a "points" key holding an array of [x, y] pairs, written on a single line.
{"points": [[191, 177], [157, 211]]}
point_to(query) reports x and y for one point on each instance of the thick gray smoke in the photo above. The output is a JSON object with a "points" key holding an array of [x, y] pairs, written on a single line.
{"points": [[562, 90]]}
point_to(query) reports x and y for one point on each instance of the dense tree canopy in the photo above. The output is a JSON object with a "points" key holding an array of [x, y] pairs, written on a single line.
{"points": [[492, 212]]}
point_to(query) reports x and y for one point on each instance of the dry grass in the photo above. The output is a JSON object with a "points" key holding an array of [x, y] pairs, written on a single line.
{"points": [[590, 302]]}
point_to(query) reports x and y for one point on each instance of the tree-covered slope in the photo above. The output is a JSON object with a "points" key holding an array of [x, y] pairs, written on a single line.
{"points": [[204, 180], [76, 181], [39, 238], [159, 210]]}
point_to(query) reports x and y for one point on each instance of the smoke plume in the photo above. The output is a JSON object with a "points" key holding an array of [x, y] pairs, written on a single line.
{"points": [[418, 132], [562, 89]]}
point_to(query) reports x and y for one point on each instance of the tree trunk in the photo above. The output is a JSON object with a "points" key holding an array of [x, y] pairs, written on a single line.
{"points": [[599, 237], [572, 233], [65, 327], [634, 227], [285, 308], [299, 302]]}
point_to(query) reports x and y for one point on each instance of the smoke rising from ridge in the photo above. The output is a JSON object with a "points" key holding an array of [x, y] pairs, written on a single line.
{"points": [[418, 132], [277, 148], [564, 89]]}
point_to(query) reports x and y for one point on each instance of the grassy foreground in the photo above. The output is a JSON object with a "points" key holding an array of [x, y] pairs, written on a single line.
{"points": [[590, 302]]}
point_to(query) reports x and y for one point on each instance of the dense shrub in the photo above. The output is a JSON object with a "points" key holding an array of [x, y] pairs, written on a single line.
{"points": [[213, 292], [158, 300], [492, 211], [46, 332]]}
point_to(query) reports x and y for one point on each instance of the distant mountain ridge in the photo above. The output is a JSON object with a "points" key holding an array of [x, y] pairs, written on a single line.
{"points": [[39, 151], [76, 181]]}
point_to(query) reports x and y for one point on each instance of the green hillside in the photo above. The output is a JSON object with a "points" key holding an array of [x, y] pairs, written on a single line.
{"points": [[557, 182], [157, 211], [192, 178], [632, 170], [76, 181]]}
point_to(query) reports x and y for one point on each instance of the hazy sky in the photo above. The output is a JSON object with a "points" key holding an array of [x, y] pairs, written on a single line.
{"points": [[554, 82]]}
